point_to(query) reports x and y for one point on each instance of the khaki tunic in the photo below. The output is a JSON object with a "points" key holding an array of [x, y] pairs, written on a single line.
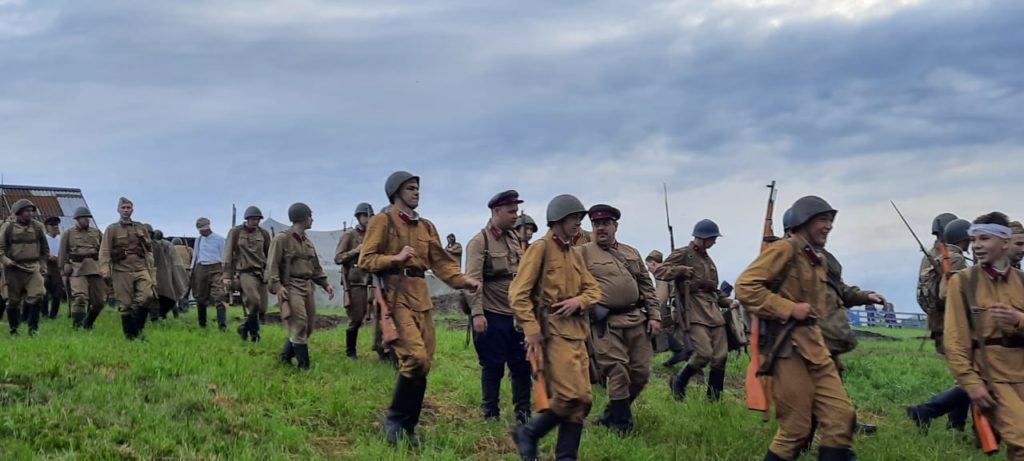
{"points": [[246, 259], [936, 308], [623, 353], [125, 254], [79, 256], [294, 265], [840, 297], [494, 261], [455, 250], [1003, 366], [24, 252], [703, 306], [551, 272], [411, 305], [806, 384], [357, 280]]}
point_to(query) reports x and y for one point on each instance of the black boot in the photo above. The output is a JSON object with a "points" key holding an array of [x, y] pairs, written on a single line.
{"points": [[419, 391], [128, 326], [90, 319], [678, 382], [677, 357], [287, 353], [490, 387], [617, 417], [521, 388], [254, 327], [401, 409], [351, 337], [13, 319], [54, 307], [527, 436], [243, 331], [836, 454], [716, 384], [568, 445], [302, 354], [33, 318], [222, 317], [77, 318], [769, 456], [140, 316], [201, 314]]}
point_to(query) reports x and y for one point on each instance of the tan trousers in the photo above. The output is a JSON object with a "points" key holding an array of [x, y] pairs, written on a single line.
{"points": [[24, 287], [132, 290], [303, 311], [710, 346], [359, 305], [624, 358], [254, 293], [207, 287], [416, 341], [802, 391], [1009, 418], [568, 376], [88, 292]]}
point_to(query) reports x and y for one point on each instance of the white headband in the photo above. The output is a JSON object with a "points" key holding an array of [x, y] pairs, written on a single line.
{"points": [[996, 230]]}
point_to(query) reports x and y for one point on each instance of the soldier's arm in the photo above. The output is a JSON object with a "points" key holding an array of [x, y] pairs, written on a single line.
{"points": [[752, 287], [374, 257], [445, 266], [351, 251], [319, 276], [62, 254], [475, 269], [957, 338], [274, 261], [5, 231], [648, 292], [673, 267], [105, 245], [44, 245], [854, 295], [229, 256], [521, 288]]}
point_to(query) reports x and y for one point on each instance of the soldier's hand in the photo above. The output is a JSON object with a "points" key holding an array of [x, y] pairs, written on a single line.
{"points": [[404, 255], [105, 275], [1005, 315], [330, 292], [534, 345], [653, 327], [877, 298], [479, 324], [472, 284], [981, 398], [686, 271], [282, 295], [801, 311], [226, 281], [568, 307]]}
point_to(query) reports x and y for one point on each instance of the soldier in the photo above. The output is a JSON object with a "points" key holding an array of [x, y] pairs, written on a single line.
{"points": [[125, 260], [786, 286], [355, 280], [1018, 244], [208, 265], [929, 279], [185, 254], [400, 246], [170, 284], [54, 278], [24, 254], [984, 334], [245, 257], [667, 338], [292, 269], [695, 277], [953, 402], [78, 259], [492, 256], [525, 228], [454, 249], [550, 297], [625, 319]]}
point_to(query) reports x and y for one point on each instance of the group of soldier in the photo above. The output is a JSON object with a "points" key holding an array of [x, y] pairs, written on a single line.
{"points": [[568, 310]]}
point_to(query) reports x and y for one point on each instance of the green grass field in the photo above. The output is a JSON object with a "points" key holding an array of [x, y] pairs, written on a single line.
{"points": [[193, 394]]}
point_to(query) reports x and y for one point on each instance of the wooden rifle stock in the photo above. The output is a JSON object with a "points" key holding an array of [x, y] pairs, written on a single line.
{"points": [[757, 396], [986, 436], [388, 332], [540, 385]]}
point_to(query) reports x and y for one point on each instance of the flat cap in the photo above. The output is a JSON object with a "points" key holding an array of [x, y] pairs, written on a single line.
{"points": [[202, 223], [655, 256], [52, 221], [602, 211]]}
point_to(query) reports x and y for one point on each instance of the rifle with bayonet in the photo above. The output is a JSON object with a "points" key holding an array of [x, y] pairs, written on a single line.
{"points": [[757, 396]]}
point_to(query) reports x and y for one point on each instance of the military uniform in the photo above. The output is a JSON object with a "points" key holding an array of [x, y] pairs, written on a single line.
{"points": [[245, 257], [492, 256], [455, 250], [294, 265], [170, 282], [703, 310], [79, 256], [357, 283], [185, 254], [125, 256], [621, 342], [806, 383], [24, 253], [1000, 365]]}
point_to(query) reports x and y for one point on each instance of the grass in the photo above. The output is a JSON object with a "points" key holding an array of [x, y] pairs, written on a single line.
{"points": [[192, 394]]}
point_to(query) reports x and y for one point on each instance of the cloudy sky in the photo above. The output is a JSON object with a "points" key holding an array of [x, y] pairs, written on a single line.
{"points": [[190, 106]]}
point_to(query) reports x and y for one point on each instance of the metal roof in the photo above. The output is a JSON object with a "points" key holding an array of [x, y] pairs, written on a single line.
{"points": [[49, 201]]}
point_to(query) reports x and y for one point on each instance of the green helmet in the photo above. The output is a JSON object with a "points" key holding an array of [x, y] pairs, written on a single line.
{"points": [[20, 205], [82, 212], [177, 241], [957, 231], [253, 212], [363, 208], [564, 205], [299, 212], [940, 222], [787, 219], [808, 207], [158, 234], [525, 220], [395, 182]]}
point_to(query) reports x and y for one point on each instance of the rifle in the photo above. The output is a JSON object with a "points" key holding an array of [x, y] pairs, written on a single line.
{"points": [[346, 300], [539, 364], [668, 221], [387, 323], [757, 396], [982, 425], [946, 269]]}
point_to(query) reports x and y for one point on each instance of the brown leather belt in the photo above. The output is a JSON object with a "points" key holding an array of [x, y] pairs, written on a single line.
{"points": [[80, 258], [1014, 342], [414, 273], [500, 278]]}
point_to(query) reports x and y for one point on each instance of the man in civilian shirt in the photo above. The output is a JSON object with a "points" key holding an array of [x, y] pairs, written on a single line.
{"points": [[206, 282], [54, 278]]}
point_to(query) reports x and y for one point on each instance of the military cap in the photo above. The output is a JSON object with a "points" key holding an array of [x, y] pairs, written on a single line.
{"points": [[158, 234], [602, 211], [52, 221], [509, 197], [202, 223], [655, 256], [1017, 228], [123, 200], [957, 231]]}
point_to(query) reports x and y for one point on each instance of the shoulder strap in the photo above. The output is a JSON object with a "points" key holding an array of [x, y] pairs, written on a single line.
{"points": [[622, 259], [777, 283]]}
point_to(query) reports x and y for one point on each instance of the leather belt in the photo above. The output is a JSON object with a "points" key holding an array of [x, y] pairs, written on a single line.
{"points": [[1015, 342], [408, 272]]}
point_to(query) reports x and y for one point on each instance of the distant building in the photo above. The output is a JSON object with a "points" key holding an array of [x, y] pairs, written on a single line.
{"points": [[49, 201]]}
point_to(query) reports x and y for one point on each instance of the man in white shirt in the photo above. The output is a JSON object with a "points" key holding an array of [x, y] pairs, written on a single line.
{"points": [[54, 277], [206, 280]]}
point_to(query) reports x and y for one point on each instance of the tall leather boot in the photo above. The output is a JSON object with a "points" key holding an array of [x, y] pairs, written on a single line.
{"points": [[254, 327], [351, 338], [836, 454], [678, 382], [399, 412], [222, 317], [302, 354], [521, 388], [201, 314], [287, 353], [419, 391], [716, 384], [77, 318], [13, 319], [568, 445], [3, 307], [490, 387], [90, 319], [55, 306], [33, 317], [140, 316], [128, 326], [527, 436], [769, 456]]}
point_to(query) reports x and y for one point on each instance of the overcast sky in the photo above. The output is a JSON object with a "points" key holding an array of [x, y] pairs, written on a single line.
{"points": [[189, 106]]}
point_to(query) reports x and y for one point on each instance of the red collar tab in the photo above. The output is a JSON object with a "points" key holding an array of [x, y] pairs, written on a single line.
{"points": [[496, 233], [995, 274], [813, 256], [298, 237], [409, 219], [562, 244]]}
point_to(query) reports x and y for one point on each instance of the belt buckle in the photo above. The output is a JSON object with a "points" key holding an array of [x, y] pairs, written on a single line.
{"points": [[405, 272]]}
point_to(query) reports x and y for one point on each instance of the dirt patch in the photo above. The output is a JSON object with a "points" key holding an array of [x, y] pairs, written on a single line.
{"points": [[873, 335], [322, 322], [331, 447]]}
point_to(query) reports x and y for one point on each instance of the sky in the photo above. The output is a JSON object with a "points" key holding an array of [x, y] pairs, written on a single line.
{"points": [[188, 107]]}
